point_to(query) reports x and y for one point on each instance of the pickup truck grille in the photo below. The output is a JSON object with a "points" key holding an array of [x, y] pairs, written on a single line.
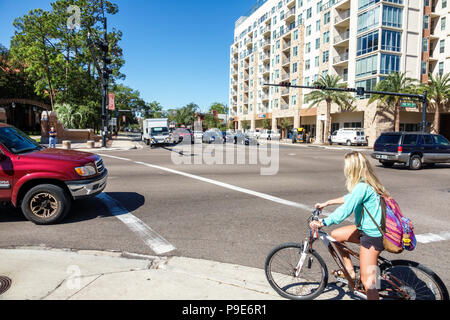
{"points": [[100, 166]]}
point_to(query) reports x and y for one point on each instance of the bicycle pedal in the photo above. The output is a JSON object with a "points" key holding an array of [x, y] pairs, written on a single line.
{"points": [[342, 280]]}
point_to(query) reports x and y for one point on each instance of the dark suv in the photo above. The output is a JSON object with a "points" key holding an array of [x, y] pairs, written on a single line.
{"points": [[411, 148]]}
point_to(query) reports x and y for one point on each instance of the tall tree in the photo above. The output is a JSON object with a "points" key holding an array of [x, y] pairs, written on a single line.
{"points": [[398, 83], [343, 99], [438, 93], [220, 108]]}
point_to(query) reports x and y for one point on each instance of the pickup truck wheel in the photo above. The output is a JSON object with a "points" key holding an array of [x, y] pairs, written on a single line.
{"points": [[415, 163], [45, 204]]}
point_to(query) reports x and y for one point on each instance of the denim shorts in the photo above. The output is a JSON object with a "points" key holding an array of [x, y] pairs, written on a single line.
{"points": [[368, 242]]}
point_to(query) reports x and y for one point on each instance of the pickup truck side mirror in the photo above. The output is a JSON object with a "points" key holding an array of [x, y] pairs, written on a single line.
{"points": [[2, 155]]}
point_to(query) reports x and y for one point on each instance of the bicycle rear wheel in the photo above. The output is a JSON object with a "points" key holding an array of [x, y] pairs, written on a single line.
{"points": [[415, 280], [280, 267]]}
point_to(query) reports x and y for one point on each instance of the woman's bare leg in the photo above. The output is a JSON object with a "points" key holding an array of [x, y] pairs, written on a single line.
{"points": [[368, 263], [346, 234]]}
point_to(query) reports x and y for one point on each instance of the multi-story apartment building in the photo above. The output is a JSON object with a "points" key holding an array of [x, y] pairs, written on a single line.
{"points": [[362, 41]]}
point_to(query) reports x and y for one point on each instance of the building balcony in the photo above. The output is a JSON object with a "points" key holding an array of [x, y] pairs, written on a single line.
{"points": [[267, 30], [286, 61], [290, 16], [342, 19], [265, 44], [234, 61], [234, 83], [342, 39], [287, 46], [340, 60], [265, 97], [285, 76], [265, 70], [285, 91], [265, 57], [284, 106], [290, 3]]}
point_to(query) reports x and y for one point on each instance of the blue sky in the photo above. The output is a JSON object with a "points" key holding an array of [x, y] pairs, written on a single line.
{"points": [[176, 51]]}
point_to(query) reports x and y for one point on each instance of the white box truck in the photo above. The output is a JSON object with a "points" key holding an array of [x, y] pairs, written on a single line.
{"points": [[156, 132]]}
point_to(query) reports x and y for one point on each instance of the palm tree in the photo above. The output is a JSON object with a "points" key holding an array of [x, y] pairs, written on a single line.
{"points": [[397, 83], [341, 98], [438, 90]]}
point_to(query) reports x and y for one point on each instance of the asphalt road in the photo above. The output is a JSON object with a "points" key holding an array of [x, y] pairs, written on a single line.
{"points": [[230, 212]]}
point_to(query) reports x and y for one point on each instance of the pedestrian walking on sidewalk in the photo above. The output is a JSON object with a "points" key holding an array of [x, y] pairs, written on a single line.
{"points": [[52, 138]]}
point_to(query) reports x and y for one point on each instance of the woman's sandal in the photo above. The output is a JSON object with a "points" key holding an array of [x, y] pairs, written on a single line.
{"points": [[340, 274]]}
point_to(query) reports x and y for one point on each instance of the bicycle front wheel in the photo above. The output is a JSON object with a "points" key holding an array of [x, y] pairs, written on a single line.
{"points": [[402, 279], [281, 267]]}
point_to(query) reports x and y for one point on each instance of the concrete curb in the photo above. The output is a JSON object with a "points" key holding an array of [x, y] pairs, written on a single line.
{"points": [[40, 273]]}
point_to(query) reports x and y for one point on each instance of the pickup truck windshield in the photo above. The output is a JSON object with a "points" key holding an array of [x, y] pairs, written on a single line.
{"points": [[16, 141], [160, 131]]}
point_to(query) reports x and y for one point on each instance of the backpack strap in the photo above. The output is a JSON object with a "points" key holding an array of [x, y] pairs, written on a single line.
{"points": [[383, 216]]}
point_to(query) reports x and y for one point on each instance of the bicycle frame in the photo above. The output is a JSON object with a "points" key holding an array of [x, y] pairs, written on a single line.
{"points": [[330, 244]]}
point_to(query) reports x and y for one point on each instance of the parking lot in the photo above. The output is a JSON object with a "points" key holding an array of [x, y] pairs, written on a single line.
{"points": [[174, 202]]}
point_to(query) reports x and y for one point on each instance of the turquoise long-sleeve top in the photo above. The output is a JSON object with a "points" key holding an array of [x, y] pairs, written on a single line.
{"points": [[363, 193]]}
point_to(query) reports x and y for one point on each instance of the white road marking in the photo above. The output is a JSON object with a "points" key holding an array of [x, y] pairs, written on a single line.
{"points": [[151, 238], [425, 238]]}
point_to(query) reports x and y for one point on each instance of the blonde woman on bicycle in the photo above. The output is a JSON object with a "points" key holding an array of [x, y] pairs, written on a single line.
{"points": [[365, 189]]}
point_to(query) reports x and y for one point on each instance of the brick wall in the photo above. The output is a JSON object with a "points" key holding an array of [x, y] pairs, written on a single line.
{"points": [[49, 120]]}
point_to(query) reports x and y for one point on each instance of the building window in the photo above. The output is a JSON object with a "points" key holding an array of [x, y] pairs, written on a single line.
{"points": [[325, 56], [443, 21], [444, 4], [352, 125], [365, 3], [300, 19], [316, 62], [389, 63], [366, 66], [324, 73], [392, 16], [309, 13], [307, 64], [369, 19], [367, 43], [295, 51], [308, 47], [391, 40], [426, 22], [326, 17], [335, 127], [319, 7], [294, 100], [441, 68], [296, 35], [308, 30], [318, 25], [294, 67], [425, 45], [306, 81], [442, 46], [326, 37], [424, 67], [317, 43]]}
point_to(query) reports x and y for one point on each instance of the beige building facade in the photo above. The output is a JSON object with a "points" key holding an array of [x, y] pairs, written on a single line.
{"points": [[362, 41]]}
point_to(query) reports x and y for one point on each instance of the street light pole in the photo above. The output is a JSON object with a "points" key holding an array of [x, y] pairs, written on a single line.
{"points": [[105, 81], [424, 111]]}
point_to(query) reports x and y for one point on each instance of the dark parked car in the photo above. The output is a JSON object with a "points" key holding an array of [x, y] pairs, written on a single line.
{"points": [[414, 149]]}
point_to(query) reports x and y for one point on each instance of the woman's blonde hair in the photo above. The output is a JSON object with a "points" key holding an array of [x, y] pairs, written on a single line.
{"points": [[358, 169]]}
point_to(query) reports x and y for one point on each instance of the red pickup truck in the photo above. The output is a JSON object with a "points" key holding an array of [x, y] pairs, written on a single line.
{"points": [[43, 182]]}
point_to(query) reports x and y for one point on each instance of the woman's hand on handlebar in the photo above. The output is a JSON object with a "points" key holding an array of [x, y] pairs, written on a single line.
{"points": [[321, 206], [316, 225]]}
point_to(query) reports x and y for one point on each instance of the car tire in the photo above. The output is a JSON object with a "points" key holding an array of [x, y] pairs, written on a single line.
{"points": [[415, 163], [45, 204], [349, 143]]}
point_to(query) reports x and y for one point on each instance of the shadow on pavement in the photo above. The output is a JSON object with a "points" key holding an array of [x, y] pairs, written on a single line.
{"points": [[82, 210]]}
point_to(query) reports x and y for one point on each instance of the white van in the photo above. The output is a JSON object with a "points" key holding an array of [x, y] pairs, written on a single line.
{"points": [[349, 137]]}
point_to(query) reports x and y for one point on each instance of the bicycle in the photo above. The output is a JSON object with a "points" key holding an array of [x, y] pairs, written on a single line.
{"points": [[296, 271]]}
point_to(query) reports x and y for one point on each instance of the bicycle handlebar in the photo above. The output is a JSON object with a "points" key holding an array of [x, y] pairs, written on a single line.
{"points": [[316, 214]]}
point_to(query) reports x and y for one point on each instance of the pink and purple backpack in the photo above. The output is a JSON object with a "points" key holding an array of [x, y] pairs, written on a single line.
{"points": [[399, 230]]}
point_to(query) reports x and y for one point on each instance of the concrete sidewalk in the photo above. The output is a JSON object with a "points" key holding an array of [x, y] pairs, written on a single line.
{"points": [[51, 274]]}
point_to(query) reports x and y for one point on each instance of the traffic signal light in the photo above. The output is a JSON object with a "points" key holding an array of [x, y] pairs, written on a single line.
{"points": [[285, 84], [320, 87], [360, 91]]}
